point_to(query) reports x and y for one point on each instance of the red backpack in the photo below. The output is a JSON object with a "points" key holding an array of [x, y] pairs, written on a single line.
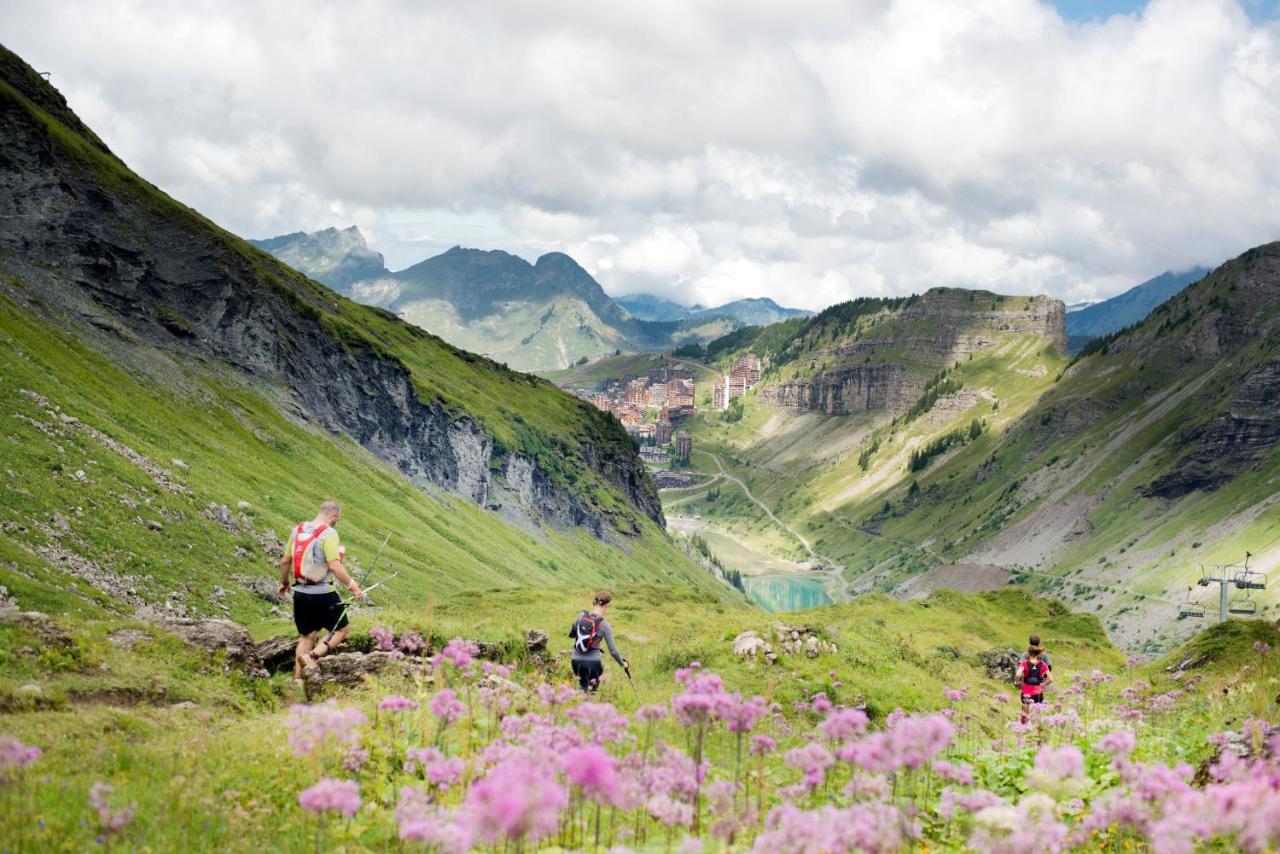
{"points": [[1034, 677], [302, 542]]}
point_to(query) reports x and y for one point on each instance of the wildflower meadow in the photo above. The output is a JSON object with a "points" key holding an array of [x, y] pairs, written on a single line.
{"points": [[474, 754]]}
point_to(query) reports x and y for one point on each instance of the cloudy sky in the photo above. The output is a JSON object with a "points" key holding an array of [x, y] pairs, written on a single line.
{"points": [[706, 150]]}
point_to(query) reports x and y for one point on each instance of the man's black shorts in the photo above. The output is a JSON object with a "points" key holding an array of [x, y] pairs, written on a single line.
{"points": [[1028, 699], [588, 672], [313, 612]]}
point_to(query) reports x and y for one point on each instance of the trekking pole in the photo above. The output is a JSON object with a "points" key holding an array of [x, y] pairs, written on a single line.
{"points": [[364, 576], [627, 670]]}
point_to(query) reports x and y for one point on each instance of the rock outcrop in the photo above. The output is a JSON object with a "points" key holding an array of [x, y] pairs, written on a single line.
{"points": [[878, 388]]}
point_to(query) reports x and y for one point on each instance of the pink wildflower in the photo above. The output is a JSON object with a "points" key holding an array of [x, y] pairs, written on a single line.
{"points": [[593, 770], [395, 704], [957, 772], [843, 724], [310, 726], [355, 759], [383, 638], [762, 745], [15, 757], [1118, 743], [419, 821], [110, 821], [740, 715], [329, 795], [601, 721], [812, 760], [458, 652], [651, 713], [870, 828], [446, 706], [517, 799], [411, 643], [670, 811]]}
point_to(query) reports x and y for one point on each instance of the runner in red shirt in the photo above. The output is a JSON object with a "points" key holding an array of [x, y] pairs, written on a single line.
{"points": [[1033, 675]]}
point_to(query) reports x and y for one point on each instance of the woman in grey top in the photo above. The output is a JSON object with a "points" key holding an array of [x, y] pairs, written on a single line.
{"points": [[588, 631]]}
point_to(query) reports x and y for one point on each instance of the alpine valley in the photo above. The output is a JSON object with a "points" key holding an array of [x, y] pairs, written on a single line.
{"points": [[948, 440]]}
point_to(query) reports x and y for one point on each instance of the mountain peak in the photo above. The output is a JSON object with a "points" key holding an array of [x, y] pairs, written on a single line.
{"points": [[337, 257]]}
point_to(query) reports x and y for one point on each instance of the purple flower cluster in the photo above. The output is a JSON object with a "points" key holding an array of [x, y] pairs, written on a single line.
{"points": [[458, 652], [15, 757], [110, 819], [310, 726], [384, 640], [329, 795]]}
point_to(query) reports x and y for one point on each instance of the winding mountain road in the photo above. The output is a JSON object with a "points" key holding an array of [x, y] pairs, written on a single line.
{"points": [[747, 491]]}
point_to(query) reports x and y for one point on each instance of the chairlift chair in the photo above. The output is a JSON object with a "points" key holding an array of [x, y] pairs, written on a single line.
{"points": [[1190, 609], [1249, 579], [1245, 606]]}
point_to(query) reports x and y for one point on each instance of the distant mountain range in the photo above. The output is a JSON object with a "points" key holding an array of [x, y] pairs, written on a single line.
{"points": [[759, 311], [544, 316], [1094, 320]]}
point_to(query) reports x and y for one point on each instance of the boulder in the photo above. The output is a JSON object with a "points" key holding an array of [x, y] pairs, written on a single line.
{"points": [[535, 640], [41, 625], [276, 654], [214, 636], [1001, 663], [347, 669]]}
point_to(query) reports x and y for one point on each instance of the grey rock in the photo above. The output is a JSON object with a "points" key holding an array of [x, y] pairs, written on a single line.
{"points": [[41, 625], [128, 638], [276, 654], [346, 669], [155, 525], [535, 640], [214, 635], [1000, 663]]}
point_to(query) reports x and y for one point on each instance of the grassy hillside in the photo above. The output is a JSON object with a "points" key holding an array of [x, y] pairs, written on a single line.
{"points": [[71, 494], [518, 411]]}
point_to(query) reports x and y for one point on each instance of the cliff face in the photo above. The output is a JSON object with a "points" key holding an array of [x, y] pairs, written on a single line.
{"points": [[881, 388], [885, 364], [102, 247]]}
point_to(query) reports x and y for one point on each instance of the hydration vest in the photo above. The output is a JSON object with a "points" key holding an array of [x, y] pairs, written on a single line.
{"points": [[586, 632], [306, 569], [1033, 677]]}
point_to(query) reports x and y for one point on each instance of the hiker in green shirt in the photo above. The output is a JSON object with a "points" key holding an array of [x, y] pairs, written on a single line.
{"points": [[313, 557]]}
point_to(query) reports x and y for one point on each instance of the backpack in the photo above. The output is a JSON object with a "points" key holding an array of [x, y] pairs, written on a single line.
{"points": [[306, 569], [1033, 677], [586, 631]]}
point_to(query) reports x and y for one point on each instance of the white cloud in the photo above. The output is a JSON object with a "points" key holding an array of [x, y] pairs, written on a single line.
{"points": [[809, 151]]}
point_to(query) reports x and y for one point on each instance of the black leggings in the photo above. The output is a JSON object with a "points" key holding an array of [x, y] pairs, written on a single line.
{"points": [[588, 671]]}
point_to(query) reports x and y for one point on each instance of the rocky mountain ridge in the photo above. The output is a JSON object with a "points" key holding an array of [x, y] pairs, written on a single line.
{"points": [[537, 317], [752, 311], [885, 359], [94, 245]]}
